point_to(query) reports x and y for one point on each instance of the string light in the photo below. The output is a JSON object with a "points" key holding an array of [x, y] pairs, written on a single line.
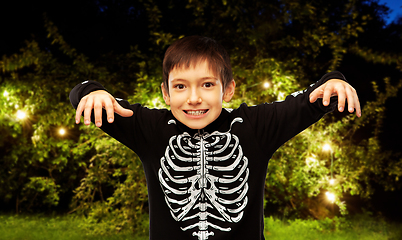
{"points": [[62, 131], [330, 196], [327, 147], [21, 114], [5, 93], [264, 85]]}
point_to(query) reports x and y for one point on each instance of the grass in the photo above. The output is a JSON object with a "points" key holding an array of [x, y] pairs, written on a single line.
{"points": [[68, 228], [358, 227], [59, 228]]}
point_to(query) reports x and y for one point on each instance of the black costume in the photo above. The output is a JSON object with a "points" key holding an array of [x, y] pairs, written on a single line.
{"points": [[209, 183]]}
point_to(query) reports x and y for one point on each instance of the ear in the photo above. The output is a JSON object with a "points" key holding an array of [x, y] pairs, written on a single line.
{"points": [[229, 91], [165, 93]]}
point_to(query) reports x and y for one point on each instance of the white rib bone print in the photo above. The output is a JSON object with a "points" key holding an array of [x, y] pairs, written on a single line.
{"points": [[204, 179]]}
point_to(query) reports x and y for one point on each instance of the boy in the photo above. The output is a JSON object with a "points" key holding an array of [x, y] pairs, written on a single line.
{"points": [[205, 166]]}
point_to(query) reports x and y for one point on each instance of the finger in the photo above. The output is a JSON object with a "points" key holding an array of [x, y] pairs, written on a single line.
{"points": [[354, 102], [122, 111], [357, 106], [109, 107], [317, 93], [341, 99], [98, 112], [327, 95], [87, 111], [80, 109], [351, 100]]}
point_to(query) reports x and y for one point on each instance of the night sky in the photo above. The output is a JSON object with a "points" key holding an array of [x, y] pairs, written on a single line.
{"points": [[396, 9]]}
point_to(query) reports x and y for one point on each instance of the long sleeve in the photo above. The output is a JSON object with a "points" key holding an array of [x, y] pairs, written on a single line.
{"points": [[82, 89], [280, 121], [135, 131]]}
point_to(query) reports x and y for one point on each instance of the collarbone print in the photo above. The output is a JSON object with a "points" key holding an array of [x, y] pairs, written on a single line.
{"points": [[204, 179]]}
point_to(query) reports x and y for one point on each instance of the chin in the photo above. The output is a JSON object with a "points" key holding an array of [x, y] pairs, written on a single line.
{"points": [[196, 126]]}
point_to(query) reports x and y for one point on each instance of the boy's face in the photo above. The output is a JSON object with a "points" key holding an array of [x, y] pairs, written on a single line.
{"points": [[195, 95]]}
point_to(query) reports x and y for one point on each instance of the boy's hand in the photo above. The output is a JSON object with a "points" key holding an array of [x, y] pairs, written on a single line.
{"points": [[97, 100], [343, 90]]}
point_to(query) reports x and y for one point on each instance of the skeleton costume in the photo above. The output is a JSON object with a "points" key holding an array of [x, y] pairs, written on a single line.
{"points": [[209, 183]]}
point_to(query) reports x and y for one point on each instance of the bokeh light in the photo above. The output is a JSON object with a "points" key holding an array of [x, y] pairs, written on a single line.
{"points": [[326, 147], [330, 196], [21, 115], [62, 131]]}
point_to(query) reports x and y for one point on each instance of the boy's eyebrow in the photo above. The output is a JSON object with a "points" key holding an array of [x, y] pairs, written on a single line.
{"points": [[203, 78]]}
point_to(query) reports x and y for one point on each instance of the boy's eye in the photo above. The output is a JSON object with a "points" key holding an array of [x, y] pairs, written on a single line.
{"points": [[179, 86], [208, 84]]}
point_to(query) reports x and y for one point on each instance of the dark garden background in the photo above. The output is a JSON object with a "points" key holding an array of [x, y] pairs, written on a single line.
{"points": [[50, 164]]}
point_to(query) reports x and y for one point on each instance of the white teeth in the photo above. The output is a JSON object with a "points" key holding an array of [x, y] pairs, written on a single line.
{"points": [[196, 113]]}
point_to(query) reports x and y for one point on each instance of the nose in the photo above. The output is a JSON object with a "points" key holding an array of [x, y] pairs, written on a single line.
{"points": [[194, 98]]}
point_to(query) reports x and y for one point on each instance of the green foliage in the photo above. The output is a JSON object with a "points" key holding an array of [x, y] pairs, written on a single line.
{"points": [[34, 155], [118, 170], [43, 186], [299, 173], [250, 82], [41, 165]]}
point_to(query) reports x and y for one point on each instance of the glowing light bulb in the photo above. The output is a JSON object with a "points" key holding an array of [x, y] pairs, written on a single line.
{"points": [[330, 196], [267, 85], [326, 147], [5, 93], [332, 181], [21, 114], [62, 131]]}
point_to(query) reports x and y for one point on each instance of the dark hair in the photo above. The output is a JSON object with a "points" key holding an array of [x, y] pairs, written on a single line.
{"points": [[192, 50]]}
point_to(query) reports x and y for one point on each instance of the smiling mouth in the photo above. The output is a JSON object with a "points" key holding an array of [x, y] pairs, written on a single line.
{"points": [[195, 112]]}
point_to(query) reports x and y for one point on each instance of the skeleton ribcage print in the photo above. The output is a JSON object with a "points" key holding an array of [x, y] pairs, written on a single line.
{"points": [[204, 179]]}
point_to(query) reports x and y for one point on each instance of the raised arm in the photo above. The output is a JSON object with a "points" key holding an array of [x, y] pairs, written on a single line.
{"points": [[282, 120], [91, 95], [97, 100], [341, 89]]}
